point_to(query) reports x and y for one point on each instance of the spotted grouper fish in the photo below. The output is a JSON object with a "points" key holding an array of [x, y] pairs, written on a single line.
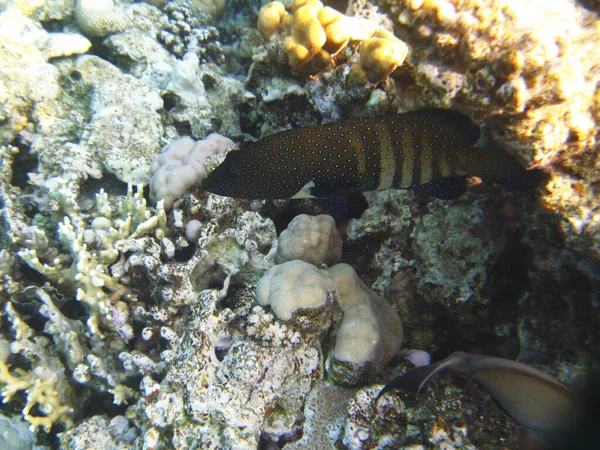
{"points": [[430, 151]]}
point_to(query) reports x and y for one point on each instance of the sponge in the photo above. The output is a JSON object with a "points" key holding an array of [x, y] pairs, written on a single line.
{"points": [[313, 239], [180, 165]]}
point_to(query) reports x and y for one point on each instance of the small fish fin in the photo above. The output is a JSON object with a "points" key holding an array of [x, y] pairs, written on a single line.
{"points": [[446, 188], [336, 206], [416, 379]]}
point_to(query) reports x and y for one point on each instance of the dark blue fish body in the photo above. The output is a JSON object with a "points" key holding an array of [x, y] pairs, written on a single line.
{"points": [[430, 151]]}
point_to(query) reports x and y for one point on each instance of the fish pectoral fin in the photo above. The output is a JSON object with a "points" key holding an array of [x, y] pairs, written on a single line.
{"points": [[350, 206], [446, 188], [336, 206]]}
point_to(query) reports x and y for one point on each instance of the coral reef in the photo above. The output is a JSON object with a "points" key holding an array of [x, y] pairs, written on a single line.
{"points": [[188, 29], [129, 325]]}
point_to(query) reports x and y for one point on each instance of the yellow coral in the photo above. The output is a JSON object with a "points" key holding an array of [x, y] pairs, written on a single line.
{"points": [[336, 29], [319, 32], [271, 18], [381, 54], [41, 392], [315, 30], [314, 5], [307, 39]]}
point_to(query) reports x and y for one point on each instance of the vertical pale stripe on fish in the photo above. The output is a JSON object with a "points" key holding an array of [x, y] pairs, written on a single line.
{"points": [[426, 165], [405, 175], [387, 158]]}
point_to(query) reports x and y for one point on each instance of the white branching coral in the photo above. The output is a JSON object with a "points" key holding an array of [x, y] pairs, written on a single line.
{"points": [[91, 246]]}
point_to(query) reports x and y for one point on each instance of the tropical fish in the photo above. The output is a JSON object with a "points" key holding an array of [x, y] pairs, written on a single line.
{"points": [[531, 397], [430, 151]]}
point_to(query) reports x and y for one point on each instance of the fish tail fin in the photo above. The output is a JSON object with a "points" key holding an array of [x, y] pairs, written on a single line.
{"points": [[520, 179], [498, 166], [416, 379]]}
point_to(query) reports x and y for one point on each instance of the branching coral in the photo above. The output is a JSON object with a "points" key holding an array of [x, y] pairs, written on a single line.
{"points": [[45, 385], [91, 248]]}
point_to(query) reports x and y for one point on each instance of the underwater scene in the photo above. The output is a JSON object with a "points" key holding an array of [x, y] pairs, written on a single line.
{"points": [[299, 224]]}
